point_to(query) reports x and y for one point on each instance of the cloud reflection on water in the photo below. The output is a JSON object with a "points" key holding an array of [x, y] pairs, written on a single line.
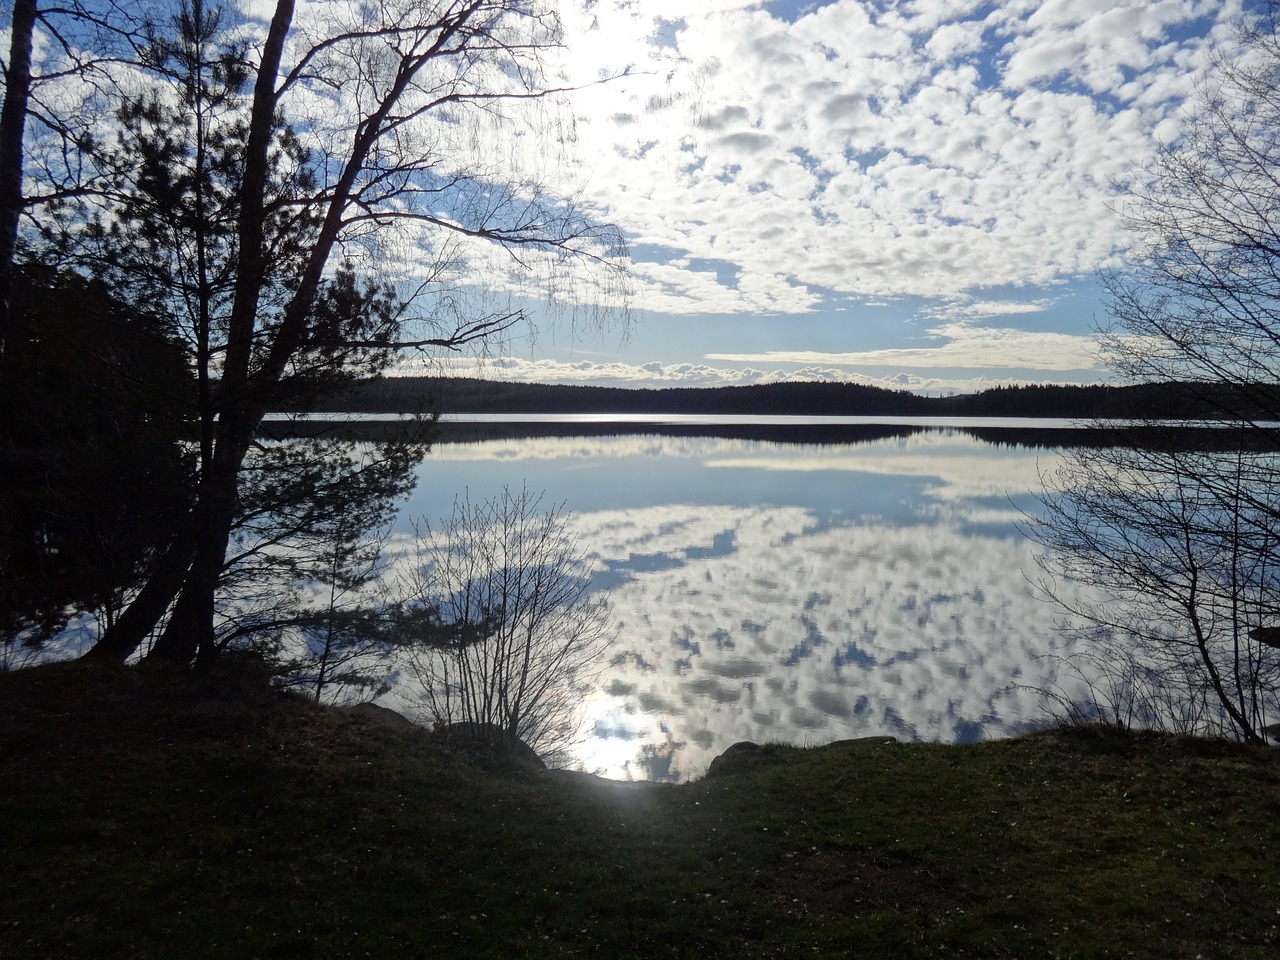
{"points": [[803, 594]]}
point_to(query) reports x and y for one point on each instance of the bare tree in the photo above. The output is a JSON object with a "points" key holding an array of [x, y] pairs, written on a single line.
{"points": [[54, 48], [1179, 557], [260, 169], [1182, 541], [1203, 304], [518, 632]]}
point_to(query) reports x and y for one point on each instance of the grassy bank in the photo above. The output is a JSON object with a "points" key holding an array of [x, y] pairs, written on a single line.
{"points": [[153, 816]]}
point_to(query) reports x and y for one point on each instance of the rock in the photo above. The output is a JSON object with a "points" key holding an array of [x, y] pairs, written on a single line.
{"points": [[746, 755], [741, 756], [489, 741], [383, 716]]}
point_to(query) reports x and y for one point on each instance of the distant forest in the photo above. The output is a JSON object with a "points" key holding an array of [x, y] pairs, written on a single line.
{"points": [[465, 395]]}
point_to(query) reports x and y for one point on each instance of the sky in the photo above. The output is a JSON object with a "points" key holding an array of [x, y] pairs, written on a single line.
{"points": [[916, 194]]}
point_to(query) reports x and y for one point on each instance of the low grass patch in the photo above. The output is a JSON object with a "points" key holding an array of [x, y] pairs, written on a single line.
{"points": [[154, 815]]}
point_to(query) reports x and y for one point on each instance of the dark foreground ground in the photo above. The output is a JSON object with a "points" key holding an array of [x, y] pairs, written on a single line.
{"points": [[144, 815]]}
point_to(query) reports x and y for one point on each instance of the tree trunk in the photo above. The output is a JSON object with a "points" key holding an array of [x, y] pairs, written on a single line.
{"points": [[190, 628], [189, 633], [13, 121], [126, 633]]}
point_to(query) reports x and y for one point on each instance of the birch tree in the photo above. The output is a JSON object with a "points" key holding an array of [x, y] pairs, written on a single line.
{"points": [[518, 633]]}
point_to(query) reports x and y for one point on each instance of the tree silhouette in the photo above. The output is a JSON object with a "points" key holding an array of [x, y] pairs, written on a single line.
{"points": [[517, 631], [93, 467], [256, 174], [1181, 541]]}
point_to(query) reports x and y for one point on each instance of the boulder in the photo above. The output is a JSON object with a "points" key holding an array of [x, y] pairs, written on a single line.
{"points": [[741, 756], [383, 716], [746, 755], [488, 741]]}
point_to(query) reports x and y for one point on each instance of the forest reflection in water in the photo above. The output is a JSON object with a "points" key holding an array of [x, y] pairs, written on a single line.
{"points": [[785, 592]]}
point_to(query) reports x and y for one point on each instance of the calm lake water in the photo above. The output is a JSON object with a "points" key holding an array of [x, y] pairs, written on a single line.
{"points": [[798, 592]]}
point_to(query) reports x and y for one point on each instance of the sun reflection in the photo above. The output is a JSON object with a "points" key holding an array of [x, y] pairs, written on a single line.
{"points": [[609, 745]]}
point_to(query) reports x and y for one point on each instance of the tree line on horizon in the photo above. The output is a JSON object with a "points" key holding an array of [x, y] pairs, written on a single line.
{"points": [[1166, 400]]}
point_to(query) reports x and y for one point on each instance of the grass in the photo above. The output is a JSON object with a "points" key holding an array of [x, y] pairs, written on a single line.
{"points": [[153, 815]]}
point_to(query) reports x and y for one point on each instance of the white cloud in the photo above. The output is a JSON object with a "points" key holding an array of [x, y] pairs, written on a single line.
{"points": [[971, 469], [808, 366], [814, 635], [587, 448], [1101, 43], [934, 148], [958, 466], [982, 309], [960, 345]]}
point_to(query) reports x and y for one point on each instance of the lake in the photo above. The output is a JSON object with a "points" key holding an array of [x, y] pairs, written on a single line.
{"points": [[797, 592]]}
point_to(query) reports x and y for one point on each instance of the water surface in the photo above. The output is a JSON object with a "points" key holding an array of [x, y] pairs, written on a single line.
{"points": [[802, 593]]}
